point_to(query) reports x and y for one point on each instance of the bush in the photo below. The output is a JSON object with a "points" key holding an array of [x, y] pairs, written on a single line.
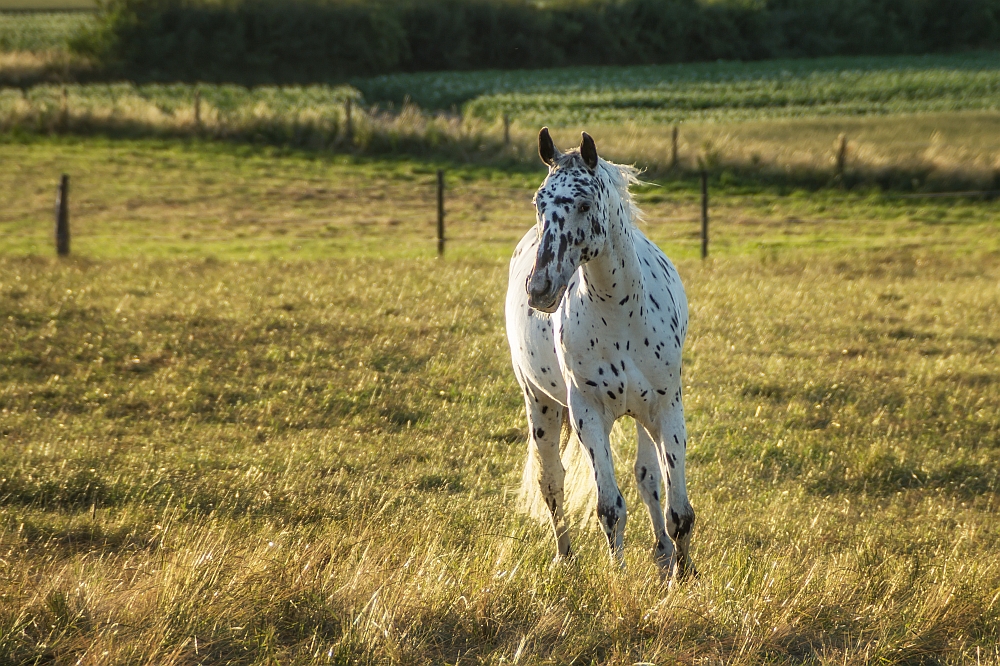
{"points": [[300, 41], [248, 41]]}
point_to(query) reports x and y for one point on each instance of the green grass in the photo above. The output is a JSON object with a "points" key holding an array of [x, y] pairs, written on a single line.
{"points": [[39, 31], [245, 449]]}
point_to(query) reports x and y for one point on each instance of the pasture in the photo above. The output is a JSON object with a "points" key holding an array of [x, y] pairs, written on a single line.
{"points": [[251, 420]]}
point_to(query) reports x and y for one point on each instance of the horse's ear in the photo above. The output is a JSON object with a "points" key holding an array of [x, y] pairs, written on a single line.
{"points": [[588, 151], [546, 149]]}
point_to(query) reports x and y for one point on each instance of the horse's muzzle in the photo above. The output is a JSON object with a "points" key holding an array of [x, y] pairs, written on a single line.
{"points": [[541, 294]]}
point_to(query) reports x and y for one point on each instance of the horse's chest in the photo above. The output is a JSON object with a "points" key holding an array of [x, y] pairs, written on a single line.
{"points": [[617, 364]]}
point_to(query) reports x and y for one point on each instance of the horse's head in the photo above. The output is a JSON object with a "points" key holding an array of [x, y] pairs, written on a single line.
{"points": [[571, 219]]}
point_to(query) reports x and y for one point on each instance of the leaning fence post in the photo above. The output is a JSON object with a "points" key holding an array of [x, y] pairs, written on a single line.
{"points": [[440, 237], [841, 155], [506, 130], [704, 214], [673, 148], [62, 217]]}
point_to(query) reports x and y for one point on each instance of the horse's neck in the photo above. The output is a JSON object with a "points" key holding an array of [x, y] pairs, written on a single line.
{"points": [[615, 273]]}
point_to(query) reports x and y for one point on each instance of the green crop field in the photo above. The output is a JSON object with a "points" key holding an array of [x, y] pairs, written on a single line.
{"points": [[32, 6], [253, 420], [709, 91], [39, 31]]}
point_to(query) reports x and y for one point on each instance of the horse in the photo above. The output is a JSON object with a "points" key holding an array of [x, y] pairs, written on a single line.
{"points": [[596, 318]]}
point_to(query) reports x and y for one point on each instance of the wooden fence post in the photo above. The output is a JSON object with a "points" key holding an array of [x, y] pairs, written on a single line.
{"points": [[197, 107], [673, 148], [348, 123], [704, 214], [64, 111], [62, 217], [841, 156], [440, 230], [506, 130]]}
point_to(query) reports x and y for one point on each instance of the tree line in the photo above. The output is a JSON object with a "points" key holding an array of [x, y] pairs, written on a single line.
{"points": [[301, 41]]}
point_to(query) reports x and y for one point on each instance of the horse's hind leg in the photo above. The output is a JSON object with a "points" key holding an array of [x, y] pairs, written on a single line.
{"points": [[650, 482], [545, 418], [680, 514]]}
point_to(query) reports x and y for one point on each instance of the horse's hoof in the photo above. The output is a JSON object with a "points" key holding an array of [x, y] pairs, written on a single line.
{"points": [[684, 573], [560, 559]]}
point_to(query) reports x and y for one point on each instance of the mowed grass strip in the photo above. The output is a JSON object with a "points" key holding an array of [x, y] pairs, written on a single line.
{"points": [[312, 461], [310, 457]]}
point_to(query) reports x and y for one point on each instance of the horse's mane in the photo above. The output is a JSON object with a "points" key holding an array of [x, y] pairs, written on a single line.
{"points": [[619, 176]]}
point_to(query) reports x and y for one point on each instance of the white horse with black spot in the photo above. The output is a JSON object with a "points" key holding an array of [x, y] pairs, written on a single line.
{"points": [[596, 320]]}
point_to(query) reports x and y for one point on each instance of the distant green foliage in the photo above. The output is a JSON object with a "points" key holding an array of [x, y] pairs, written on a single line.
{"points": [[251, 42], [43, 31], [256, 41]]}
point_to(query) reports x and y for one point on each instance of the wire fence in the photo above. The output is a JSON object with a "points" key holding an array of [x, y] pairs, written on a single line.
{"points": [[451, 205]]}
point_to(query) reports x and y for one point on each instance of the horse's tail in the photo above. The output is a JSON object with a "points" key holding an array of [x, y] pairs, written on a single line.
{"points": [[580, 495]]}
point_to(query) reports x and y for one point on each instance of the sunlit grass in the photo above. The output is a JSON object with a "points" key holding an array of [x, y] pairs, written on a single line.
{"points": [[177, 199], [312, 457]]}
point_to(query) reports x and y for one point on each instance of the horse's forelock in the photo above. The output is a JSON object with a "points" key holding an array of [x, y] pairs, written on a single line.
{"points": [[619, 176]]}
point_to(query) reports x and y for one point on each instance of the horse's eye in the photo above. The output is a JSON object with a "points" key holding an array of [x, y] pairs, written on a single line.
{"points": [[584, 207]]}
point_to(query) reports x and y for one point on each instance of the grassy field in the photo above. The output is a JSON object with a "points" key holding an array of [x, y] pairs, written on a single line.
{"points": [[918, 152], [175, 198], [913, 123], [252, 420]]}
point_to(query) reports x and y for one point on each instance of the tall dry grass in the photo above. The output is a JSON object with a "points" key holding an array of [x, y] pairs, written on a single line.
{"points": [[207, 458], [253, 462], [909, 151], [313, 117]]}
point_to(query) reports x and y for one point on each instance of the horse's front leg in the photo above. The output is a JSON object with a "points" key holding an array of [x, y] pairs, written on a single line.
{"points": [[680, 514], [593, 428], [545, 425]]}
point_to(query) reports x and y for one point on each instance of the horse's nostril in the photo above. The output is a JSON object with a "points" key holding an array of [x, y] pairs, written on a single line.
{"points": [[538, 285]]}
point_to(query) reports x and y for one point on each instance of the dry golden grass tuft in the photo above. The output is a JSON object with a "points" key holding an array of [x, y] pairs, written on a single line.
{"points": [[26, 68]]}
